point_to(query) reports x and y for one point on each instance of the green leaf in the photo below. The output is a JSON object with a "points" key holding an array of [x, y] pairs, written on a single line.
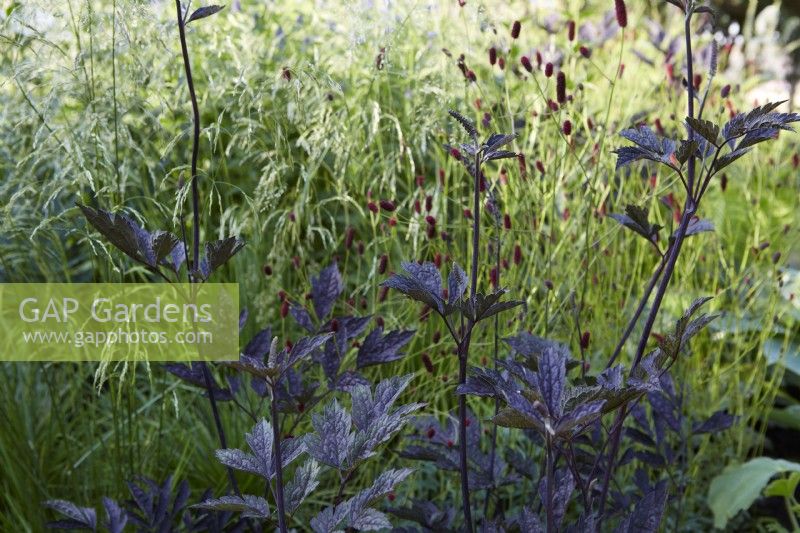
{"points": [[738, 486], [783, 487], [786, 355]]}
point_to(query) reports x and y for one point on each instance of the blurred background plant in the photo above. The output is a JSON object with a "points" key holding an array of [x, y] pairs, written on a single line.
{"points": [[314, 112]]}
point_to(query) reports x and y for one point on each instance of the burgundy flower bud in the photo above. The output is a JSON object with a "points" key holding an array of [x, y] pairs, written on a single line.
{"points": [[507, 221], [515, 29], [284, 309], [426, 360], [383, 262], [501, 62], [471, 76], [437, 260], [468, 213], [493, 277], [567, 128], [441, 176], [292, 218], [517, 254], [417, 207], [571, 30], [349, 235], [523, 166], [431, 433], [420, 181], [431, 232], [622, 13], [360, 247], [383, 293], [697, 81], [548, 70], [548, 284], [391, 496], [431, 220], [561, 87], [281, 295], [372, 206], [455, 153], [334, 325], [723, 182], [379, 321], [540, 167], [585, 52], [552, 105], [538, 59], [392, 222], [590, 124], [726, 91], [428, 203], [776, 257], [492, 56], [585, 338], [388, 205], [267, 269], [526, 63], [437, 336]]}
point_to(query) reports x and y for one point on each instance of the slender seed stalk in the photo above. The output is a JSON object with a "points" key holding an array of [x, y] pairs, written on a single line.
{"points": [[276, 439]]}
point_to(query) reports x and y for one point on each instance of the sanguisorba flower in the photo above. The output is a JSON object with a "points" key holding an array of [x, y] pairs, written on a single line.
{"points": [[492, 56], [515, 29], [526, 63], [571, 30], [548, 70], [561, 87], [622, 13]]}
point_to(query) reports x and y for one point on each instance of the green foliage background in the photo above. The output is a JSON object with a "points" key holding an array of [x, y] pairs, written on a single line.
{"points": [[297, 120]]}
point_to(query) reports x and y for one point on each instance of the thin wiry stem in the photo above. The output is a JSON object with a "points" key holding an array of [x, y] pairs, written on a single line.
{"points": [[195, 140], [463, 355], [196, 209], [672, 257], [276, 443]]}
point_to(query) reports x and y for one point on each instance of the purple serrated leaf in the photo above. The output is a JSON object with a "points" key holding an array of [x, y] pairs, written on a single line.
{"points": [[378, 348], [552, 380], [325, 289]]}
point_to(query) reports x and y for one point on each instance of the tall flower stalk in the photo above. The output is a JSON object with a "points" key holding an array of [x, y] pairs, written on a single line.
{"points": [[194, 266]]}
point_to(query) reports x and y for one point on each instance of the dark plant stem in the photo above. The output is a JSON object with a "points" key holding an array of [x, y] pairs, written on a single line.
{"points": [[689, 210], [463, 355], [218, 423], [551, 527], [493, 451], [195, 140], [276, 439], [196, 210], [651, 285]]}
